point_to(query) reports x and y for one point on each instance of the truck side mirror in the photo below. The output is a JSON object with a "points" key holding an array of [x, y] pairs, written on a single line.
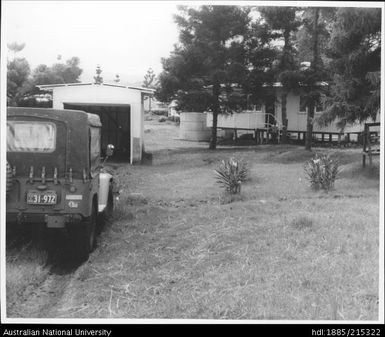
{"points": [[110, 150]]}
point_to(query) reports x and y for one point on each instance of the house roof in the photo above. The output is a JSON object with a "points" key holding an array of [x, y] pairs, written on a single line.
{"points": [[52, 86], [280, 85], [267, 85]]}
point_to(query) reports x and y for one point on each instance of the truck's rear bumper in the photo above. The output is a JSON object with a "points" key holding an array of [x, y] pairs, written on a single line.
{"points": [[50, 220]]}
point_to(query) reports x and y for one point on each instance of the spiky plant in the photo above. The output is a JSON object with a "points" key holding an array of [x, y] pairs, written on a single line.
{"points": [[230, 174], [322, 171]]}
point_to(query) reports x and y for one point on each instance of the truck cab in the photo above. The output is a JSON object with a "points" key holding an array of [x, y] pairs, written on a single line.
{"points": [[55, 174]]}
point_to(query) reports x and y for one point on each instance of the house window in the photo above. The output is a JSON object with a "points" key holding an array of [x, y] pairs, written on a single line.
{"points": [[303, 108], [302, 104], [258, 107], [319, 108]]}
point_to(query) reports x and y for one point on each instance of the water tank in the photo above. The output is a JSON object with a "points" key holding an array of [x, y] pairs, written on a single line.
{"points": [[193, 126]]}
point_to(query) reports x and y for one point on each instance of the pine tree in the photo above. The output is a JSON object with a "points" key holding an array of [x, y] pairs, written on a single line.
{"points": [[282, 23], [315, 31], [355, 49], [149, 79], [98, 78], [210, 56], [18, 72]]}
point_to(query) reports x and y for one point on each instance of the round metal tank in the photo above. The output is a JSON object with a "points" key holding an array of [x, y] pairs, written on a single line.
{"points": [[193, 126]]}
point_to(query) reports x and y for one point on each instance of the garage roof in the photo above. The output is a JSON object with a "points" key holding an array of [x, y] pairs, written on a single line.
{"points": [[51, 86]]}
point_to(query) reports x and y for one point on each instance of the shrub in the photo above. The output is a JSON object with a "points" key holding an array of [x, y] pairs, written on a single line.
{"points": [[230, 174], [162, 119], [160, 112], [322, 171], [175, 119]]}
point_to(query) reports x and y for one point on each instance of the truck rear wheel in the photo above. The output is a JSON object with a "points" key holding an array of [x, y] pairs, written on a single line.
{"points": [[84, 237]]}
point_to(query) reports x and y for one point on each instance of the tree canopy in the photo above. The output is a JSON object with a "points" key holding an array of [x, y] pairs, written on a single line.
{"points": [[68, 72], [355, 52], [22, 82], [149, 80], [209, 60], [18, 71]]}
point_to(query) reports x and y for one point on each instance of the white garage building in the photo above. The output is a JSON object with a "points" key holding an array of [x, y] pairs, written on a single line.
{"points": [[120, 108]]}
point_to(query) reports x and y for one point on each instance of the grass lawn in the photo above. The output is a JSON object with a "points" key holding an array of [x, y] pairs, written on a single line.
{"points": [[177, 248]]}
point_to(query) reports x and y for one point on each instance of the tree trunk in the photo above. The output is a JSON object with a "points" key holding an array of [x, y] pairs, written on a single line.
{"points": [[309, 126], [314, 66], [286, 50], [284, 117], [213, 142]]}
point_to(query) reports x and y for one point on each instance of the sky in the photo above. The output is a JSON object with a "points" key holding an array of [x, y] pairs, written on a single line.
{"points": [[123, 37]]}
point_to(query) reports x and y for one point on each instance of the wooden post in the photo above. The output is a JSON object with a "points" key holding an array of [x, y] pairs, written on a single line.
{"points": [[330, 138], [339, 140], [364, 146]]}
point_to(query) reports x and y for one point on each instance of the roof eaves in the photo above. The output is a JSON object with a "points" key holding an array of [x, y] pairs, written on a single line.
{"points": [[52, 86]]}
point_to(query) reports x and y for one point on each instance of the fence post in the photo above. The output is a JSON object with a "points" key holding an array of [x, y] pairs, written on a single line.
{"points": [[364, 139]]}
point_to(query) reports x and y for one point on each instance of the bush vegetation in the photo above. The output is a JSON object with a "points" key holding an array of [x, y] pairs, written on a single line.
{"points": [[322, 171], [160, 112], [230, 174]]}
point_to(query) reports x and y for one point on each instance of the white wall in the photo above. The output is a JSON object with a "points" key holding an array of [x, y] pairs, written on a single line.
{"points": [[297, 120], [101, 94], [246, 120]]}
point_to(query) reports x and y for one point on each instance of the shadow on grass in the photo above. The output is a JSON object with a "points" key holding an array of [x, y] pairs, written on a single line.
{"points": [[39, 246], [356, 171]]}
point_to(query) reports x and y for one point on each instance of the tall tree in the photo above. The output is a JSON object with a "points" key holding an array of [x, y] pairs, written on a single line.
{"points": [[15, 47], [261, 57], [149, 82], [314, 31], [355, 49], [210, 56], [98, 77], [149, 79], [18, 71], [68, 72], [282, 23]]}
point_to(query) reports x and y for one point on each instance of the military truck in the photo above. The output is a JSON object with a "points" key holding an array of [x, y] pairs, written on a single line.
{"points": [[55, 174]]}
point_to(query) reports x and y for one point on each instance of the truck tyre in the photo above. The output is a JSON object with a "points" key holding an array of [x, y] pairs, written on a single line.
{"points": [[84, 237], [110, 204], [9, 177], [108, 211]]}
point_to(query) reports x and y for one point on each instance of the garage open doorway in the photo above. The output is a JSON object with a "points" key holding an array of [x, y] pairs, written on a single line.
{"points": [[116, 125]]}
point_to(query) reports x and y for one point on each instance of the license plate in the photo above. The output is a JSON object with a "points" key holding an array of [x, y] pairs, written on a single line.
{"points": [[41, 198]]}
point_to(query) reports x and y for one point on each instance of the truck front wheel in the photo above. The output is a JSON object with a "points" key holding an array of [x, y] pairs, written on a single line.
{"points": [[104, 216]]}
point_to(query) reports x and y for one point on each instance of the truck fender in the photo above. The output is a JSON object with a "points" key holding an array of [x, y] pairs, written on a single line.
{"points": [[104, 186]]}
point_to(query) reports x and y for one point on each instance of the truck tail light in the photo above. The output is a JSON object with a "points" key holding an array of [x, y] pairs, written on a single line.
{"points": [[31, 174]]}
